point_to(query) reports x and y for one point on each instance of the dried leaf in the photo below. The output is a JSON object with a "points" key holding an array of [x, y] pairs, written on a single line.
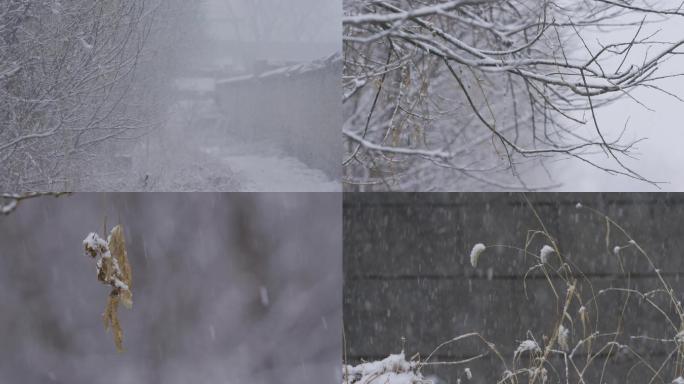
{"points": [[117, 247], [111, 320], [113, 269]]}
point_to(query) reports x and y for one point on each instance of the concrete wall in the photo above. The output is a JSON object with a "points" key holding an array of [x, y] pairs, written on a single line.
{"points": [[407, 274], [296, 108]]}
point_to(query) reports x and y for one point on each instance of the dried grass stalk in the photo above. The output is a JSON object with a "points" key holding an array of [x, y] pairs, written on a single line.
{"points": [[117, 246], [113, 269], [111, 320]]}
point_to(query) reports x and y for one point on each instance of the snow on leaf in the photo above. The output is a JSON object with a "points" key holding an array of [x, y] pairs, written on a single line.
{"points": [[563, 335], [545, 252], [94, 245], [525, 346], [113, 270], [475, 253]]}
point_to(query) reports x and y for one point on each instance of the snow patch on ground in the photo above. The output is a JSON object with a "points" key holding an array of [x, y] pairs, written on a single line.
{"points": [[260, 168], [392, 370], [195, 151]]}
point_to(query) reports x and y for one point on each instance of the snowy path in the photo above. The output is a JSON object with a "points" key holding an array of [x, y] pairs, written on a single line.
{"points": [[194, 152], [197, 151], [261, 169]]}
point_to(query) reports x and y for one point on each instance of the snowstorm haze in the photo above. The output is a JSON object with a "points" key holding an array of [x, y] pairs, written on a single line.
{"points": [[649, 115], [227, 288], [275, 20], [198, 95]]}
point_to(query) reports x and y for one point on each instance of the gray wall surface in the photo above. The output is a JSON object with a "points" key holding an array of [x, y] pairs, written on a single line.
{"points": [[407, 274], [296, 108]]}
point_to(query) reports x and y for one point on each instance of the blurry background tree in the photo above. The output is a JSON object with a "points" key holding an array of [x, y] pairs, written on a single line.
{"points": [[74, 77], [278, 20], [228, 288], [471, 94]]}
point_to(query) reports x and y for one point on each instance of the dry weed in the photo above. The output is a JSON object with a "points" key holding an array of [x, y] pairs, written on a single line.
{"points": [[113, 269]]}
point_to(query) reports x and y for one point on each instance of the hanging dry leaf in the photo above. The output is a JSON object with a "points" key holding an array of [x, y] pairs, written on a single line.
{"points": [[111, 320], [117, 246], [114, 270]]}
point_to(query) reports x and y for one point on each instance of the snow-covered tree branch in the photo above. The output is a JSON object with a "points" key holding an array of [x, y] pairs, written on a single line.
{"points": [[69, 85], [495, 87]]}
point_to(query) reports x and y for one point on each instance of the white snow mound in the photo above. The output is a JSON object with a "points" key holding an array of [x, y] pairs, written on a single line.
{"points": [[394, 369], [545, 253]]}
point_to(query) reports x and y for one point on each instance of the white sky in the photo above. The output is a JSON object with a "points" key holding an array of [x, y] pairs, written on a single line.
{"points": [[661, 156], [276, 20]]}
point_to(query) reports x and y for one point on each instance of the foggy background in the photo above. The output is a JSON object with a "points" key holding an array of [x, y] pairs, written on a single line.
{"points": [[659, 157], [478, 163], [227, 288], [409, 283], [204, 95], [255, 101], [312, 28]]}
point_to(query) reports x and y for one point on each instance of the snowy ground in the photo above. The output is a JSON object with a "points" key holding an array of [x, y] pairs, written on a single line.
{"points": [[238, 165], [267, 169], [195, 151], [392, 370]]}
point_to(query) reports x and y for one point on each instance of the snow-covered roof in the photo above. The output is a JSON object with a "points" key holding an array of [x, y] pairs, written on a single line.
{"points": [[289, 71], [236, 79]]}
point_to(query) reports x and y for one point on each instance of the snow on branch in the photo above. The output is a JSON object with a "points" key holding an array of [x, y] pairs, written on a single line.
{"points": [[10, 201], [404, 15], [530, 79]]}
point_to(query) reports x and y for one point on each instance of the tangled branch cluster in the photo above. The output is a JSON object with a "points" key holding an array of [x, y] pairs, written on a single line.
{"points": [[66, 73], [483, 89]]}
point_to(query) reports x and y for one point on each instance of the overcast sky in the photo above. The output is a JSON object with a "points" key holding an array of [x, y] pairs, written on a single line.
{"points": [[660, 156], [276, 20]]}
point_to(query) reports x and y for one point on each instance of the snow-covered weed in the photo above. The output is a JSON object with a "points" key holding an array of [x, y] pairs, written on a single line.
{"points": [[475, 253], [527, 346], [113, 269], [563, 337], [573, 345], [545, 253]]}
